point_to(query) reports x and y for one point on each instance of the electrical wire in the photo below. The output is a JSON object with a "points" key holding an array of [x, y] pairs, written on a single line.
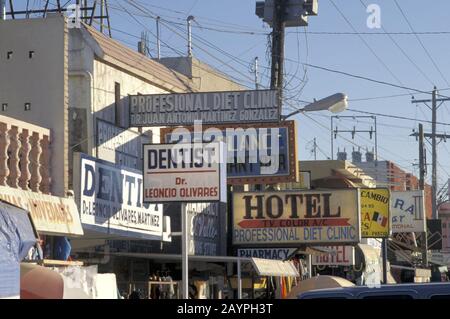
{"points": [[181, 54], [403, 51], [370, 79], [367, 45], [236, 59], [395, 116], [376, 33], [350, 141], [421, 44]]}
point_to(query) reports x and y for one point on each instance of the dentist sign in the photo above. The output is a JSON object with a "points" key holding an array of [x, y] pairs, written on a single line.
{"points": [[110, 200]]}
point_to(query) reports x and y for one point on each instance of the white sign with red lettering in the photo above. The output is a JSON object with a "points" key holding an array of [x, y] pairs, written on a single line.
{"points": [[193, 172], [338, 256]]}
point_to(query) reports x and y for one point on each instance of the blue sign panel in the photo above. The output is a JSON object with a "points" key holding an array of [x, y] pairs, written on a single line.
{"points": [[264, 154]]}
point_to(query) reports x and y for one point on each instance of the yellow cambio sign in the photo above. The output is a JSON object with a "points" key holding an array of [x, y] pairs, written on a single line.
{"points": [[375, 219], [293, 217]]}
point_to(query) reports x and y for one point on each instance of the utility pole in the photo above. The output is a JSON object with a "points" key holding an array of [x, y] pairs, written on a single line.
{"points": [[421, 158], [281, 14], [276, 78], [422, 186], [84, 12], [433, 155], [2, 9], [255, 69], [434, 107], [102, 6], [315, 149]]}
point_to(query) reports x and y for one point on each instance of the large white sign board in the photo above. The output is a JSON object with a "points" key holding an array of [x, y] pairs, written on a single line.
{"points": [[184, 172], [408, 211], [110, 199]]}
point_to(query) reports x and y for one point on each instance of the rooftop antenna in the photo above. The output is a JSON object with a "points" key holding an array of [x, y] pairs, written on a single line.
{"points": [[189, 28], [88, 10]]}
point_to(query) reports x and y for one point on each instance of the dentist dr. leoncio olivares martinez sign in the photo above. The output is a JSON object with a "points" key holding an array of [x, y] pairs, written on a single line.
{"points": [[184, 172]]}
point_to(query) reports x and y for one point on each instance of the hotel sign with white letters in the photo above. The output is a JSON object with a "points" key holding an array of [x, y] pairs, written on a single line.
{"points": [[296, 217]]}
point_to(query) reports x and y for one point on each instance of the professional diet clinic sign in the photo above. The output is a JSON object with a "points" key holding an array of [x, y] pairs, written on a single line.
{"points": [[193, 172]]}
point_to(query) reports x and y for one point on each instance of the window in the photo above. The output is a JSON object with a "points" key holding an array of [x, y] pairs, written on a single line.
{"points": [[4, 106], [9, 55], [30, 54], [27, 106]]}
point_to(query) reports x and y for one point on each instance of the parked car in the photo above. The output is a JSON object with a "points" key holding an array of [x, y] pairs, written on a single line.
{"points": [[397, 291]]}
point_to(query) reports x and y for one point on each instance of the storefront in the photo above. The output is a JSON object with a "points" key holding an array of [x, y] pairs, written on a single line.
{"points": [[206, 224], [115, 219]]}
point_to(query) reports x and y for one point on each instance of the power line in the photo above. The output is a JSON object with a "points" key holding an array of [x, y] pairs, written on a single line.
{"points": [[366, 44], [352, 142], [244, 63], [369, 79], [378, 97], [228, 77], [365, 122], [403, 51], [421, 44], [348, 140], [376, 33], [250, 80], [396, 117], [184, 14]]}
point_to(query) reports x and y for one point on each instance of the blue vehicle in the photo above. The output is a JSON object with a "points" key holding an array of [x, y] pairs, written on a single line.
{"points": [[398, 291]]}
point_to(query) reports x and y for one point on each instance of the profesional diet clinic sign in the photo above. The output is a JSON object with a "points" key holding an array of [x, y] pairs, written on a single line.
{"points": [[192, 172]]}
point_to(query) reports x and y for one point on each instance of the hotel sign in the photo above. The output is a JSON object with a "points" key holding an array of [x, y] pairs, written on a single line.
{"points": [[296, 217]]}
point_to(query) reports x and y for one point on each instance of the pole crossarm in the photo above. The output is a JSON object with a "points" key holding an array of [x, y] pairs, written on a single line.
{"points": [[430, 135]]}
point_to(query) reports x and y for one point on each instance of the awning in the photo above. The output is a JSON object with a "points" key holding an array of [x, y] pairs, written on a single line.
{"points": [[269, 267], [52, 215], [318, 250], [17, 236]]}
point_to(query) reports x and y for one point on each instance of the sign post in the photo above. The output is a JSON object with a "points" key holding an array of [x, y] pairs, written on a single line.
{"points": [[184, 252], [375, 218], [384, 252], [184, 173]]}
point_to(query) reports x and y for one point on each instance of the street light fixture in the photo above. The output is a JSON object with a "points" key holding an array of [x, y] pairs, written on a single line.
{"points": [[334, 103]]}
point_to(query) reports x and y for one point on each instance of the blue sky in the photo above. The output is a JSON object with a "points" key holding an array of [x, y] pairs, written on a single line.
{"points": [[239, 36]]}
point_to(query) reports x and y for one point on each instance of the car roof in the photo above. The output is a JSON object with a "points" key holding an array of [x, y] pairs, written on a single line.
{"points": [[418, 287]]}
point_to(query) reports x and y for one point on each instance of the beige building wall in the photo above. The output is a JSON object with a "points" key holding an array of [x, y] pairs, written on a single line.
{"points": [[92, 93], [326, 168], [105, 77], [321, 169], [40, 80]]}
